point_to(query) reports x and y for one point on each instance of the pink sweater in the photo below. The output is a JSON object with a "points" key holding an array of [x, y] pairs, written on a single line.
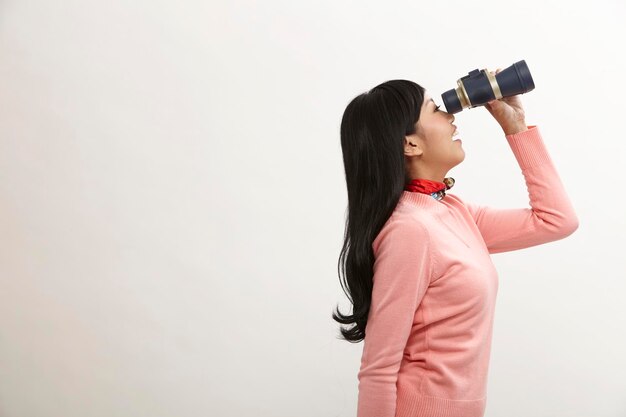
{"points": [[428, 335]]}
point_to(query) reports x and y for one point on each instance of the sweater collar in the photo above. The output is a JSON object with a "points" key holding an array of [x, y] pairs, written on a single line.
{"points": [[425, 201]]}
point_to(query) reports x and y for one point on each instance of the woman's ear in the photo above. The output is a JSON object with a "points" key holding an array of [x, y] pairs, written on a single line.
{"points": [[411, 146]]}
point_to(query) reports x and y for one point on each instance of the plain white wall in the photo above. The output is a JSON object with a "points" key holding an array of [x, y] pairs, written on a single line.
{"points": [[172, 200]]}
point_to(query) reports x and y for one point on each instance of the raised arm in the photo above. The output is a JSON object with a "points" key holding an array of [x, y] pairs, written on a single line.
{"points": [[402, 272], [550, 216]]}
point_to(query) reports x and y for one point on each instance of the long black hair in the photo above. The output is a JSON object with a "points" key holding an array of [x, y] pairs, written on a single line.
{"points": [[372, 133]]}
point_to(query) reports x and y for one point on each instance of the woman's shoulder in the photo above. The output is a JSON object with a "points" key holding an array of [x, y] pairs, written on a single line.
{"points": [[404, 225]]}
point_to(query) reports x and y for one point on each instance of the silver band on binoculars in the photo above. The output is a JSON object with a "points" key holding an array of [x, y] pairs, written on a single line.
{"points": [[494, 84]]}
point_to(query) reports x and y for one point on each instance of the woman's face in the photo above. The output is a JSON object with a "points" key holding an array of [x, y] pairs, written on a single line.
{"points": [[431, 151]]}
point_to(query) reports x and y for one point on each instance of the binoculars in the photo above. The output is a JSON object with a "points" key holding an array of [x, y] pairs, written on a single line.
{"points": [[480, 87]]}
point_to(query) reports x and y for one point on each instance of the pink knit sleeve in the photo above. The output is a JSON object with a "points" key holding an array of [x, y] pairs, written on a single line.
{"points": [[550, 216], [402, 271]]}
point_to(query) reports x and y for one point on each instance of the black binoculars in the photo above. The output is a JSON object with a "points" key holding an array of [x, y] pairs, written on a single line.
{"points": [[480, 87]]}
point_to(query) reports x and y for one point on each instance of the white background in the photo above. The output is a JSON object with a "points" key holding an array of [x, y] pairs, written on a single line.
{"points": [[172, 200]]}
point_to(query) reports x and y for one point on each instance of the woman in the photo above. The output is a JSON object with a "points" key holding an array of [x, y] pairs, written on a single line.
{"points": [[416, 259]]}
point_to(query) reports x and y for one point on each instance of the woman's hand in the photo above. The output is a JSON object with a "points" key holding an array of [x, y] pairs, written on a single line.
{"points": [[508, 112]]}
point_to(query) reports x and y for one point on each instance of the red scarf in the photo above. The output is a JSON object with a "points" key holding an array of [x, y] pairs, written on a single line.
{"points": [[422, 185]]}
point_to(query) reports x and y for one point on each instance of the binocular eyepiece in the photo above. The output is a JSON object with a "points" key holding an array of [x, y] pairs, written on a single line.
{"points": [[480, 87]]}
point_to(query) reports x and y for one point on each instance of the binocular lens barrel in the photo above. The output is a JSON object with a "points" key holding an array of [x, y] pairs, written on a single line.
{"points": [[479, 87]]}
